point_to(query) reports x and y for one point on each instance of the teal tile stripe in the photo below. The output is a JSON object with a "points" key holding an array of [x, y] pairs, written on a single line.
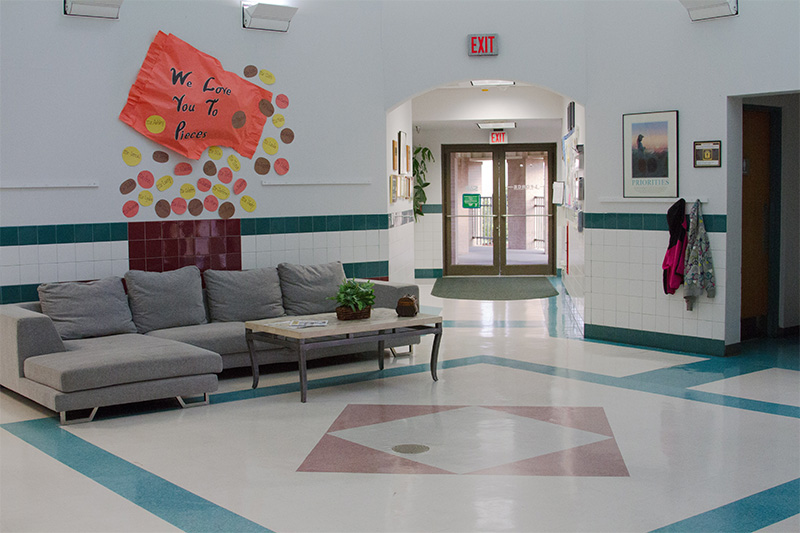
{"points": [[428, 273], [647, 221], [652, 339], [181, 508], [323, 223], [431, 208], [63, 233]]}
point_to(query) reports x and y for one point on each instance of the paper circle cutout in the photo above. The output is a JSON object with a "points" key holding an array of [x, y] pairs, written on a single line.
{"points": [[187, 191], [233, 162], [211, 203], [226, 210], [146, 179], [209, 168], [266, 108], [270, 146], [160, 157], [164, 183], [215, 152], [127, 186], [281, 166], [261, 166], [130, 208], [238, 120], [287, 136], [204, 185], [220, 191], [195, 207], [178, 206], [282, 101], [267, 77], [145, 198], [250, 71], [155, 124], [278, 120], [162, 208], [131, 156], [239, 186], [248, 204], [225, 175], [183, 169]]}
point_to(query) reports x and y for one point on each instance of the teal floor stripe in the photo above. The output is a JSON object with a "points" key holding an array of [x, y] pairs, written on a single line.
{"points": [[166, 500], [748, 514]]}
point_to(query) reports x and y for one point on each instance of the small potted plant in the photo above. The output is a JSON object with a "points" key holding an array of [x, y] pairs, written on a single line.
{"points": [[355, 299]]}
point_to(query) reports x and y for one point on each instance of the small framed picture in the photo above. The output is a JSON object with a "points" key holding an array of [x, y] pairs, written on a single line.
{"points": [[650, 155], [707, 154]]}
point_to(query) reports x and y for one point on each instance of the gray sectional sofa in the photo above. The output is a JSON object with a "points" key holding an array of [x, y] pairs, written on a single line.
{"points": [[89, 345]]}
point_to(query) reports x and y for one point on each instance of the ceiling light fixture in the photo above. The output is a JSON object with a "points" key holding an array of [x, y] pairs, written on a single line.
{"points": [[710, 9], [497, 125], [492, 83], [104, 9], [270, 17]]}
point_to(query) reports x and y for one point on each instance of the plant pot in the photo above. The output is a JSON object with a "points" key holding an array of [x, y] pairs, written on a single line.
{"points": [[345, 313]]}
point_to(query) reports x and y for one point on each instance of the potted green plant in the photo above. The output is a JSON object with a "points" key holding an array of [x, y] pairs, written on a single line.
{"points": [[422, 156], [355, 299]]}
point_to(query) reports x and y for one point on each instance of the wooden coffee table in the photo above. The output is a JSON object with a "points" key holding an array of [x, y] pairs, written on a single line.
{"points": [[383, 325]]}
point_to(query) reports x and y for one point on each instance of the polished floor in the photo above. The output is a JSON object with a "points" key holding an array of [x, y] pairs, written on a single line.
{"points": [[529, 428]]}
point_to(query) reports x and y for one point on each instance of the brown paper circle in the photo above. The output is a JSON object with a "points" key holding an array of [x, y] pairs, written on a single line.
{"points": [[287, 136], [195, 207], [160, 157], [163, 208], [238, 120], [127, 186], [226, 210], [210, 169], [261, 166], [250, 71], [266, 107]]}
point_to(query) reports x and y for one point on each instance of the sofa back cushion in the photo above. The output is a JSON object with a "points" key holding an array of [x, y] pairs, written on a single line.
{"points": [[166, 299], [91, 309], [241, 295], [306, 288]]}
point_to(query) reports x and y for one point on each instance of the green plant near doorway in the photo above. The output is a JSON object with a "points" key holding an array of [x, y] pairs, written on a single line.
{"points": [[422, 156]]}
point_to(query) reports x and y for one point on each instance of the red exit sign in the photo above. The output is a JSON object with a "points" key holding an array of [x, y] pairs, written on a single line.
{"points": [[482, 44], [498, 137]]}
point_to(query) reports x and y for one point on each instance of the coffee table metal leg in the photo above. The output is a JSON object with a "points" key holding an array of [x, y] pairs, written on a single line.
{"points": [[249, 337], [437, 338], [303, 375], [381, 349]]}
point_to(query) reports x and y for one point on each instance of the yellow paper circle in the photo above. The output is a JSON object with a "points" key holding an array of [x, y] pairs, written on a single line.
{"points": [[155, 124], [278, 120], [132, 156], [270, 146], [266, 76], [164, 183], [248, 204], [233, 162], [145, 198], [187, 191], [215, 152], [220, 191]]}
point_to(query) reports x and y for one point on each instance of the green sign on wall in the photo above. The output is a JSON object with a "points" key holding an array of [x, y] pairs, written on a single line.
{"points": [[470, 201]]}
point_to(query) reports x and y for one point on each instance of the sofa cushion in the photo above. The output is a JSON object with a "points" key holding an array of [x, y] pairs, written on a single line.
{"points": [[166, 299], [129, 358], [222, 337], [306, 288], [90, 309], [241, 295]]}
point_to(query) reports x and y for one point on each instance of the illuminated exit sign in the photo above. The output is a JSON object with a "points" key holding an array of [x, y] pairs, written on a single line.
{"points": [[482, 44], [498, 137]]}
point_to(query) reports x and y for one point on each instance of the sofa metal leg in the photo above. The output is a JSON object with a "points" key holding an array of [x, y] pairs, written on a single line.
{"points": [[193, 403], [67, 421], [409, 352]]}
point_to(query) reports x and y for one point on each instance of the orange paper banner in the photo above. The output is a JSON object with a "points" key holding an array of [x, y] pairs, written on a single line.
{"points": [[183, 99]]}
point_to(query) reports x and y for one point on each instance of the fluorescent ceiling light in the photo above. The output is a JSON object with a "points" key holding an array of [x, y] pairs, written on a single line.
{"points": [[492, 83], [497, 125], [105, 9], [271, 17], [710, 9]]}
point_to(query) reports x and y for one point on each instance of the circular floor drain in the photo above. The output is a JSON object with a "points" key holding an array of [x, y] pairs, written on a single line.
{"points": [[410, 448]]}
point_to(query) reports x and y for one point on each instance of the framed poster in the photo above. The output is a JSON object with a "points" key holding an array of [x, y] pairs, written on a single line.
{"points": [[402, 142], [394, 155], [393, 188], [707, 154], [650, 155]]}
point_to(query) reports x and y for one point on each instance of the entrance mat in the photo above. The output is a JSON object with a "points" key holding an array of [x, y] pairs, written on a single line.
{"points": [[494, 288]]}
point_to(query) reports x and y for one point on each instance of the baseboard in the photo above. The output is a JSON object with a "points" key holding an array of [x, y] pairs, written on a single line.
{"points": [[793, 331], [652, 339]]}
